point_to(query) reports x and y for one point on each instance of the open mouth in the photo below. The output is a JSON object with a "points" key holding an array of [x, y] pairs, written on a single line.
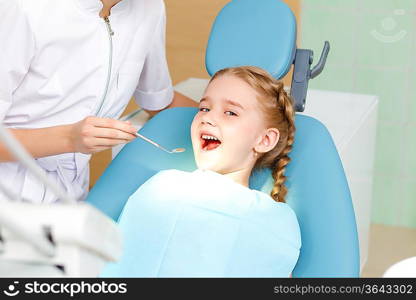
{"points": [[209, 142]]}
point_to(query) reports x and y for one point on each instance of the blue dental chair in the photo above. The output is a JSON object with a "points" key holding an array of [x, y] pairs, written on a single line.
{"points": [[260, 33]]}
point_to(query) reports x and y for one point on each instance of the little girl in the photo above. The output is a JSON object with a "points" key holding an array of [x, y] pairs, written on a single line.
{"points": [[209, 223]]}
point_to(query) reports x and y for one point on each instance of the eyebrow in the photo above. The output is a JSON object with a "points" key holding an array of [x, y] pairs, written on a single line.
{"points": [[231, 102], [228, 101]]}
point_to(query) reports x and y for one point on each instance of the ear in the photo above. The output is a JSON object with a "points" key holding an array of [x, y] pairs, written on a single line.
{"points": [[268, 140]]}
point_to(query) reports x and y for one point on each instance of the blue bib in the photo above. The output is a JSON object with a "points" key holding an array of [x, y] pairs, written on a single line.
{"points": [[203, 224]]}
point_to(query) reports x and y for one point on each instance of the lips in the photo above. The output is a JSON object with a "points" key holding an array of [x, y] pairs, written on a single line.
{"points": [[209, 142]]}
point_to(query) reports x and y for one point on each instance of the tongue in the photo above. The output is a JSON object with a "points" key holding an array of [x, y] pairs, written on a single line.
{"points": [[212, 145]]}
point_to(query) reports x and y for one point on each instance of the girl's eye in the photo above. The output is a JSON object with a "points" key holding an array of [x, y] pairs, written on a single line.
{"points": [[204, 109], [230, 113]]}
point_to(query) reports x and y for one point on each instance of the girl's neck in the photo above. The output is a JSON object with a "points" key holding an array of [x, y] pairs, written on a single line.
{"points": [[240, 176]]}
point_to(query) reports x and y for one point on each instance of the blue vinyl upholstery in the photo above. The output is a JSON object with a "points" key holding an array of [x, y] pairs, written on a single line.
{"points": [[246, 33]]}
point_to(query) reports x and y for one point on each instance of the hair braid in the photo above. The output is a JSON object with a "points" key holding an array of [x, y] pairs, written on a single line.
{"points": [[279, 190]]}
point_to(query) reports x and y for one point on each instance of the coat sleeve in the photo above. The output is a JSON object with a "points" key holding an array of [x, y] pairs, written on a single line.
{"points": [[155, 91]]}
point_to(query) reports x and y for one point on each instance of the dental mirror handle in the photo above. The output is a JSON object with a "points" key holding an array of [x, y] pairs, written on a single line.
{"points": [[149, 141], [176, 150]]}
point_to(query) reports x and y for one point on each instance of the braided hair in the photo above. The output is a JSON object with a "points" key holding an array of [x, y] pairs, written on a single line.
{"points": [[277, 108]]}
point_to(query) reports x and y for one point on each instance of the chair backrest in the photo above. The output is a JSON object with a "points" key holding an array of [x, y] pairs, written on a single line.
{"points": [[256, 33], [263, 33], [318, 189]]}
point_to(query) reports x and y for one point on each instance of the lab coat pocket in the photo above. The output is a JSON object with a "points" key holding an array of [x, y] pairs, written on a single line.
{"points": [[61, 170], [128, 79]]}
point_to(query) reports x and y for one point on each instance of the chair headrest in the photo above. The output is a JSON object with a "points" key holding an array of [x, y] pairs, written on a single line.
{"points": [[246, 33]]}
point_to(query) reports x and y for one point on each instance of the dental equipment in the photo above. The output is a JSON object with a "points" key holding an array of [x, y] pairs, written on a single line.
{"points": [[175, 150], [47, 240], [76, 240], [36, 237]]}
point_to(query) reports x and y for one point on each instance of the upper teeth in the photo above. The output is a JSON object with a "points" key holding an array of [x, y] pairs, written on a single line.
{"points": [[209, 137]]}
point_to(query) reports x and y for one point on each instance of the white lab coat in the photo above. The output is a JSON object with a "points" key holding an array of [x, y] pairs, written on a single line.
{"points": [[53, 70]]}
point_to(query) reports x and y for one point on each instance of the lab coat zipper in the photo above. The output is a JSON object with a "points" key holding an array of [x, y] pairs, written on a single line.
{"points": [[110, 58]]}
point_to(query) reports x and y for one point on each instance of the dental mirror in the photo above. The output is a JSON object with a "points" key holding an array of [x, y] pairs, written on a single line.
{"points": [[175, 150]]}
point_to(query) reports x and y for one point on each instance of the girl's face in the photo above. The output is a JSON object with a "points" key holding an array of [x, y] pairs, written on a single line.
{"points": [[229, 127]]}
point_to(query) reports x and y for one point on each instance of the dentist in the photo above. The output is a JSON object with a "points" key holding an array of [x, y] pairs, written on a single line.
{"points": [[67, 72]]}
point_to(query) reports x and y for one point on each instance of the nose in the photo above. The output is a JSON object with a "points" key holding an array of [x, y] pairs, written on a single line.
{"points": [[208, 118]]}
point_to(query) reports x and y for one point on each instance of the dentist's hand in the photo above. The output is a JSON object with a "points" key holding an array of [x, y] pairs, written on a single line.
{"points": [[95, 134]]}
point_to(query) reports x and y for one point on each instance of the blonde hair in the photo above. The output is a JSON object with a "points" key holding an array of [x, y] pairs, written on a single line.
{"points": [[279, 113]]}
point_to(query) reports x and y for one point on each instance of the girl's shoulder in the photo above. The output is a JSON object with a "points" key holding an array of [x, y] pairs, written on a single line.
{"points": [[266, 199], [282, 216], [279, 212]]}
